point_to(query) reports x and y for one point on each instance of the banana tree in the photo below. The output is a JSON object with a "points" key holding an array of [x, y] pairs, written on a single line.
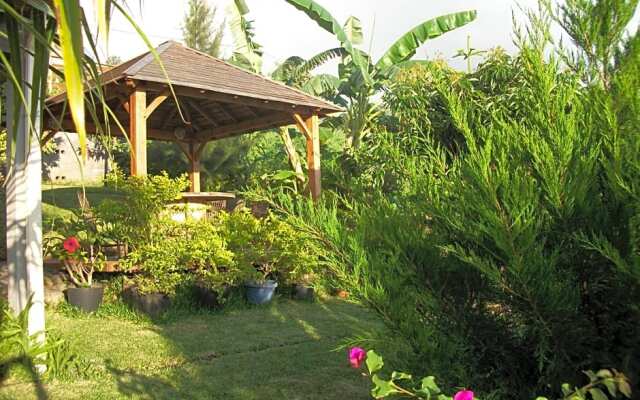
{"points": [[297, 72], [294, 71], [247, 52], [360, 77]]}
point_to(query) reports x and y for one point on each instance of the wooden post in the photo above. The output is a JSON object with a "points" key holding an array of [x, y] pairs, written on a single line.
{"points": [[24, 202], [313, 156], [194, 172], [138, 132]]}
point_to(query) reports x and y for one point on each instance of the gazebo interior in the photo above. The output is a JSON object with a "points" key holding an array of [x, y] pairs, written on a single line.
{"points": [[216, 99]]}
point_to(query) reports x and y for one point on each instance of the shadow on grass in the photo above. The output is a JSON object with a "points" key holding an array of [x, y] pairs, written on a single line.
{"points": [[132, 384], [282, 350], [26, 365]]}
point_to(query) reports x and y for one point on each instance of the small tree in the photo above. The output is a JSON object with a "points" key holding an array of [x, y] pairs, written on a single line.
{"points": [[198, 32]]}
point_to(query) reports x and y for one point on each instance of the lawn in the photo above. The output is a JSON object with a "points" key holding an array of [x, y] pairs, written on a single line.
{"points": [[280, 351]]}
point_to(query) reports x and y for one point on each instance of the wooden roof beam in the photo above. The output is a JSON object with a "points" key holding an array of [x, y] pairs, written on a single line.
{"points": [[188, 116], [157, 102], [226, 112], [250, 111], [301, 123], [169, 117], [114, 130], [235, 99], [202, 112], [268, 122]]}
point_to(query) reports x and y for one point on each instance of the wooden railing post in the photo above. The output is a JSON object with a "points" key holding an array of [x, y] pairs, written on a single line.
{"points": [[138, 132], [313, 156], [194, 172]]}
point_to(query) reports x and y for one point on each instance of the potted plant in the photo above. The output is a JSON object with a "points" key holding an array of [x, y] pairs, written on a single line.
{"points": [[303, 288], [147, 296], [80, 265], [259, 283], [297, 261], [253, 242], [160, 272], [213, 288]]}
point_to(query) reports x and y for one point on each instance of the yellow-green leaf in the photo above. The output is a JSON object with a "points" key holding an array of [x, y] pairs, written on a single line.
{"points": [[69, 28], [405, 48], [103, 11]]}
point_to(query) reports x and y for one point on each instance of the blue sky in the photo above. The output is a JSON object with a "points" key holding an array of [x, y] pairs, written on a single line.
{"points": [[285, 31]]}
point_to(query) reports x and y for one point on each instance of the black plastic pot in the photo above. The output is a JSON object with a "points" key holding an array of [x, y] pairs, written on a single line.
{"points": [[86, 299], [260, 292], [303, 292], [152, 304], [210, 298]]}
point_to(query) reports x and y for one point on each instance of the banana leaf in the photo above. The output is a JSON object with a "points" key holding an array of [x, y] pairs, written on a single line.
{"points": [[70, 31], [247, 52], [353, 29], [406, 46], [321, 58], [327, 22], [323, 85]]}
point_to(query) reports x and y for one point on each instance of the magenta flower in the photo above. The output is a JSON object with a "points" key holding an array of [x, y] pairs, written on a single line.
{"points": [[463, 395], [356, 356]]}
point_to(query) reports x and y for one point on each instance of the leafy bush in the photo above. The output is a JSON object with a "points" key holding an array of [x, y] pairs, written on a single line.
{"points": [[130, 221], [177, 249], [404, 385], [517, 249], [266, 248]]}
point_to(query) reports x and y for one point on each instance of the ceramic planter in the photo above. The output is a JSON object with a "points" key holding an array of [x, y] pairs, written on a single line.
{"points": [[260, 292], [209, 298], [86, 299], [303, 292], [152, 304]]}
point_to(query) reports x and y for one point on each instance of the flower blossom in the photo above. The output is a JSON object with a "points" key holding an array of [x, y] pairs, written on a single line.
{"points": [[356, 356], [71, 245], [463, 395]]}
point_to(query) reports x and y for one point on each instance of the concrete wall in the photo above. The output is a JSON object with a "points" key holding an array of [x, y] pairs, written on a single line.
{"points": [[62, 164]]}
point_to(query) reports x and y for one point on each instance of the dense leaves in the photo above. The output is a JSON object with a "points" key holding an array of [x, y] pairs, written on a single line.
{"points": [[495, 230]]}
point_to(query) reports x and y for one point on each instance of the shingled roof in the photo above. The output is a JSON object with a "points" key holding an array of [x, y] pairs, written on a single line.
{"points": [[216, 99], [193, 69]]}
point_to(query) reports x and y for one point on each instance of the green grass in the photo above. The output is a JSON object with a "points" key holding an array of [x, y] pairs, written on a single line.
{"points": [[280, 351]]}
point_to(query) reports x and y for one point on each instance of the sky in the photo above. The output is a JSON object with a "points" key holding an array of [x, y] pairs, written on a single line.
{"points": [[284, 31]]}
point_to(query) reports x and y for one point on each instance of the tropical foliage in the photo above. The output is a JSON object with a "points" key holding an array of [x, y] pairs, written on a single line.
{"points": [[494, 227], [359, 77]]}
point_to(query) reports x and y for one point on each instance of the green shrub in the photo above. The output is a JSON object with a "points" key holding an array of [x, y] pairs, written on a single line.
{"points": [[509, 264], [267, 248], [177, 250], [130, 220]]}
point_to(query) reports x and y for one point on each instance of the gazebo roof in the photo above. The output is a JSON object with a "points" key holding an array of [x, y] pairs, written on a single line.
{"points": [[216, 98]]}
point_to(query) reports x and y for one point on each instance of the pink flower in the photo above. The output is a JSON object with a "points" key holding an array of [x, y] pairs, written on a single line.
{"points": [[71, 245], [463, 395], [356, 356]]}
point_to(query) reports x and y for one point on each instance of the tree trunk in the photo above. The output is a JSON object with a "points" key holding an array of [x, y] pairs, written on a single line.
{"points": [[24, 204], [292, 153]]}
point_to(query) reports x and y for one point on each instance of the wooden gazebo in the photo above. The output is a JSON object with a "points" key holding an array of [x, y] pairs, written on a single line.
{"points": [[217, 100]]}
